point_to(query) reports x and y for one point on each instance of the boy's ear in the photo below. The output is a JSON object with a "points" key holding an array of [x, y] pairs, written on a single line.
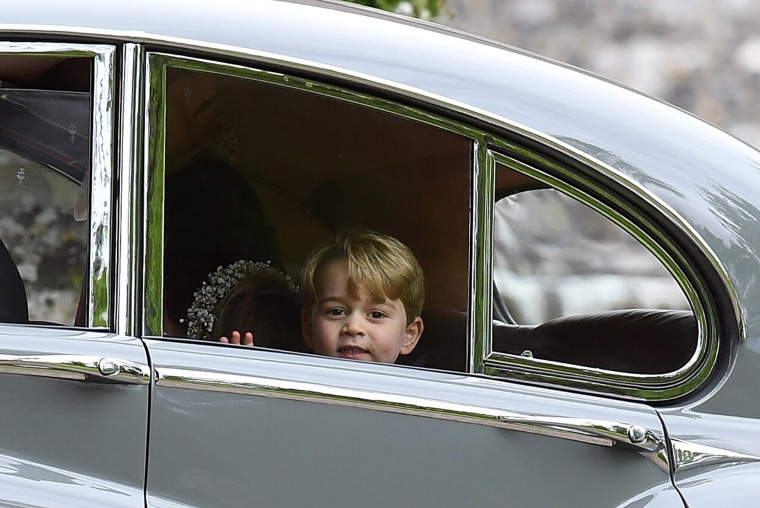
{"points": [[413, 333], [306, 329]]}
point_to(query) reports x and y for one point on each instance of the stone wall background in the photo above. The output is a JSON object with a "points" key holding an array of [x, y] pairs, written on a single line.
{"points": [[701, 55]]}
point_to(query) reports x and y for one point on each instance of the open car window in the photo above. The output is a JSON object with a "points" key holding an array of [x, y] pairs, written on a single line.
{"points": [[44, 160], [264, 168]]}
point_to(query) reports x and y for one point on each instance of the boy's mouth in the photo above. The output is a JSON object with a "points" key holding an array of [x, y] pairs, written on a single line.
{"points": [[351, 351]]}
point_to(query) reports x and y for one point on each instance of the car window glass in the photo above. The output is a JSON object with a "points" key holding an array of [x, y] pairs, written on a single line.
{"points": [[44, 238], [555, 256], [572, 286], [44, 158], [263, 172]]}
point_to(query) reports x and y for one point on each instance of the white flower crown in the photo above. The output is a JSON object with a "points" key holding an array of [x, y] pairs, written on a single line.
{"points": [[200, 315]]}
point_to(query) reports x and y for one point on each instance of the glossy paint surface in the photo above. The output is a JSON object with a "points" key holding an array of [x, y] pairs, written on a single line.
{"points": [[683, 166], [59, 441], [335, 433]]}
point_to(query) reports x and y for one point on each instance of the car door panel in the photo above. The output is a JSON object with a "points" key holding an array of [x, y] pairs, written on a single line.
{"points": [[238, 427], [71, 435]]}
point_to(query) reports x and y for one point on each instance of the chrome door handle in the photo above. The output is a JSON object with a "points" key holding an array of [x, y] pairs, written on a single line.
{"points": [[601, 432], [77, 367]]}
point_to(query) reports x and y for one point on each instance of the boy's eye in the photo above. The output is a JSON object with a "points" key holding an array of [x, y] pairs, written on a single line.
{"points": [[335, 312], [376, 314]]}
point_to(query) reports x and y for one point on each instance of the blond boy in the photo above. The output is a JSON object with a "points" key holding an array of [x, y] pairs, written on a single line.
{"points": [[363, 297]]}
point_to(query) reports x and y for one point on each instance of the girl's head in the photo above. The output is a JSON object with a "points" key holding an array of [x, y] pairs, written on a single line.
{"points": [[264, 304]]}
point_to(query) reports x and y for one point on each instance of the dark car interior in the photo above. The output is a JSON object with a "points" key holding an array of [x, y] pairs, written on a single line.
{"points": [[260, 171]]}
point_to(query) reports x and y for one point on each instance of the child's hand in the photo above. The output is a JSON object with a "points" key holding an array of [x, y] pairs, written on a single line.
{"points": [[247, 340]]}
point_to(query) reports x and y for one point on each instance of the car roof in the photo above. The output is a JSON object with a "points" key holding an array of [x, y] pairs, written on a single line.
{"points": [[679, 159]]}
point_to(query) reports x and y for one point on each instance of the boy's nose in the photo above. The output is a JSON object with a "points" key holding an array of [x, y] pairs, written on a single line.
{"points": [[353, 325]]}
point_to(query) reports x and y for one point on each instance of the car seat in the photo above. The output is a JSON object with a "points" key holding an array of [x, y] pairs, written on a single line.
{"points": [[641, 341]]}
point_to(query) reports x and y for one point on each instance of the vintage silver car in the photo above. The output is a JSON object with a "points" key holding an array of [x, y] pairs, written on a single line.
{"points": [[591, 256]]}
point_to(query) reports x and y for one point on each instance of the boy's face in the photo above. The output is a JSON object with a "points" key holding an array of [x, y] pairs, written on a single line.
{"points": [[360, 328]]}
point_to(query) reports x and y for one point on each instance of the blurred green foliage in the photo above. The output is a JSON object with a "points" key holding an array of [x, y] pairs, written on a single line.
{"points": [[424, 9]]}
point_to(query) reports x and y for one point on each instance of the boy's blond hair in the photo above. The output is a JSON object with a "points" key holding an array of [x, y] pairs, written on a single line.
{"points": [[377, 263]]}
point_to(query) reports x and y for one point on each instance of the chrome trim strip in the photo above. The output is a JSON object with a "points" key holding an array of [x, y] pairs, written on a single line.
{"points": [[152, 235], [129, 168], [481, 296], [77, 367], [101, 186], [687, 455], [599, 432]]}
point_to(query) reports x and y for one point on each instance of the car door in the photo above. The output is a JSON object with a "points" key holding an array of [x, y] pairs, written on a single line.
{"points": [[74, 411], [73, 390], [239, 426], [233, 427]]}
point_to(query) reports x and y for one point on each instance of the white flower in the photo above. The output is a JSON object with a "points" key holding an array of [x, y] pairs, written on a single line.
{"points": [[200, 315]]}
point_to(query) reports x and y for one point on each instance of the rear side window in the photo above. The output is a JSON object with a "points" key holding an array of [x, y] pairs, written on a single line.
{"points": [[573, 287], [555, 256]]}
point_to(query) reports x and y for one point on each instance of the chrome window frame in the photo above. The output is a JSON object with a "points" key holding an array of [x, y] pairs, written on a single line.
{"points": [[100, 264], [488, 151], [644, 387], [129, 216]]}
